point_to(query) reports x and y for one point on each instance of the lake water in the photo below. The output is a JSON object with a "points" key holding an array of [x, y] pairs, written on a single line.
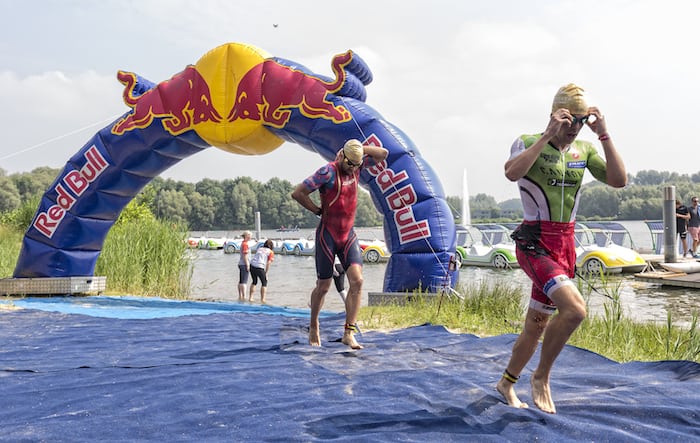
{"points": [[292, 278]]}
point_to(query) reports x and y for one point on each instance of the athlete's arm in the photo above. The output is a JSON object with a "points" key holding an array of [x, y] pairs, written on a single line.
{"points": [[616, 174], [517, 167], [321, 177], [377, 153], [301, 194]]}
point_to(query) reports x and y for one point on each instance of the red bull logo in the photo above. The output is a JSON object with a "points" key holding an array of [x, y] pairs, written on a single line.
{"points": [[400, 196], [253, 91], [69, 189], [182, 102], [270, 91]]}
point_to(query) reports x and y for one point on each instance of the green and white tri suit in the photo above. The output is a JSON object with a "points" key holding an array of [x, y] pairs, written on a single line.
{"points": [[550, 195], [550, 189]]}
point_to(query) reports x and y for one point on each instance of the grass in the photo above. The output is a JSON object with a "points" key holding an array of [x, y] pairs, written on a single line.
{"points": [[487, 309], [497, 308]]}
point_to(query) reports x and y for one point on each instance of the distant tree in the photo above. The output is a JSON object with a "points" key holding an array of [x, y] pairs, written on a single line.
{"points": [[212, 189], [512, 204], [651, 177], [641, 209], [367, 215], [9, 196], [293, 215], [599, 202], [173, 205], [270, 200], [33, 183], [202, 212], [243, 204], [482, 201]]}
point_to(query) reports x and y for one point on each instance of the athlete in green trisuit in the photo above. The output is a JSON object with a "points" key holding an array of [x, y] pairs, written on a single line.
{"points": [[549, 169]]}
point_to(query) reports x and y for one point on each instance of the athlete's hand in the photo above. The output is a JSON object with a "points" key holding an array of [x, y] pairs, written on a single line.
{"points": [[558, 118], [596, 121]]}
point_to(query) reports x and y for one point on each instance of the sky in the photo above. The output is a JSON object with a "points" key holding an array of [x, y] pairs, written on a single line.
{"points": [[462, 79]]}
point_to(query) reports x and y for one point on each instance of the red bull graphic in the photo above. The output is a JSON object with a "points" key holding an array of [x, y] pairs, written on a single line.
{"points": [[266, 100], [264, 94], [181, 102], [68, 190], [400, 197]]}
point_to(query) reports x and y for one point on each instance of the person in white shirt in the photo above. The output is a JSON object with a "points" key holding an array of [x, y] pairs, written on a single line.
{"points": [[259, 267]]}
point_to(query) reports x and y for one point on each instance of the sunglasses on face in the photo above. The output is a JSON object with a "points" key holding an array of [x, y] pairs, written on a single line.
{"points": [[583, 120], [349, 163]]}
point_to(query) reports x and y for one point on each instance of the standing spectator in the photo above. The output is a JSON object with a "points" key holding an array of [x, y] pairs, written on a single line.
{"points": [[244, 265], [259, 267], [549, 168], [694, 226], [337, 183], [682, 218]]}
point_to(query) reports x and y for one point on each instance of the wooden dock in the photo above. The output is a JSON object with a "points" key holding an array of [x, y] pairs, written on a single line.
{"points": [[656, 274]]}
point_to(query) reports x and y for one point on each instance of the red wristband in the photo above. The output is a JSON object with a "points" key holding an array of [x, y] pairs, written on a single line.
{"points": [[604, 137]]}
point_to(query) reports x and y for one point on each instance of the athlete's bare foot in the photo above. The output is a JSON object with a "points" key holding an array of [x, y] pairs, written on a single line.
{"points": [[541, 395], [507, 390], [349, 340], [314, 336]]}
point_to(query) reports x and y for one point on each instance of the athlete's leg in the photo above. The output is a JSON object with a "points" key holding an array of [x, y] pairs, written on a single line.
{"points": [[352, 261], [352, 305], [325, 255], [317, 296], [572, 311], [523, 350]]}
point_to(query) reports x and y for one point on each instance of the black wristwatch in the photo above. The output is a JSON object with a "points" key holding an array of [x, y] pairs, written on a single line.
{"points": [[320, 211]]}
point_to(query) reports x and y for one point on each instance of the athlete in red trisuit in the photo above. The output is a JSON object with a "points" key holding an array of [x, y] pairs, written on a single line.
{"points": [[337, 184]]}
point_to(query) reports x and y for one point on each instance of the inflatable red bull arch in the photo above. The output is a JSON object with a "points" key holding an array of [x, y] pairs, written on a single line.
{"points": [[241, 100]]}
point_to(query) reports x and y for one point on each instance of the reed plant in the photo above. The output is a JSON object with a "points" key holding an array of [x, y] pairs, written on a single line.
{"points": [[619, 338], [13, 224], [10, 244], [146, 257]]}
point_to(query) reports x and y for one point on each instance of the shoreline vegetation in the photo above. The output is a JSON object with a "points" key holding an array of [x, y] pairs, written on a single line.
{"points": [[146, 256]]}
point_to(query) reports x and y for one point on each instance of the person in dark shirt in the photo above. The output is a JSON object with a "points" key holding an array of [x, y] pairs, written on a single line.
{"points": [[682, 217]]}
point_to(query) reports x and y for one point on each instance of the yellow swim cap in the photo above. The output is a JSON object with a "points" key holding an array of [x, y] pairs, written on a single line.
{"points": [[571, 98], [353, 151]]}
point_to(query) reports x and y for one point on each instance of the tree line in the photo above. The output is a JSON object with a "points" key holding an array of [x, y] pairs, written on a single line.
{"points": [[232, 203]]}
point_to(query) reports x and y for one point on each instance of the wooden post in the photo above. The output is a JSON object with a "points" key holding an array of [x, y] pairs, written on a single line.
{"points": [[670, 224]]}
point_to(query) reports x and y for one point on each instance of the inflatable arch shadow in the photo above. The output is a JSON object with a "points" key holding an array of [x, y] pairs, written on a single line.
{"points": [[239, 99]]}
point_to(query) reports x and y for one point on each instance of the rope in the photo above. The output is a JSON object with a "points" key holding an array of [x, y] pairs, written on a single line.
{"points": [[31, 148]]}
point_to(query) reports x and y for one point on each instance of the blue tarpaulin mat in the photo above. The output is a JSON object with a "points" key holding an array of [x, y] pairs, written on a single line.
{"points": [[233, 375]]}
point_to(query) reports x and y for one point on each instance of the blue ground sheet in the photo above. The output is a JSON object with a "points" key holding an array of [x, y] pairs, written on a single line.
{"points": [[93, 369]]}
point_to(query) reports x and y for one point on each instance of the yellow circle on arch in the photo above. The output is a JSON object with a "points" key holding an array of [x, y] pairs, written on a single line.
{"points": [[222, 68]]}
